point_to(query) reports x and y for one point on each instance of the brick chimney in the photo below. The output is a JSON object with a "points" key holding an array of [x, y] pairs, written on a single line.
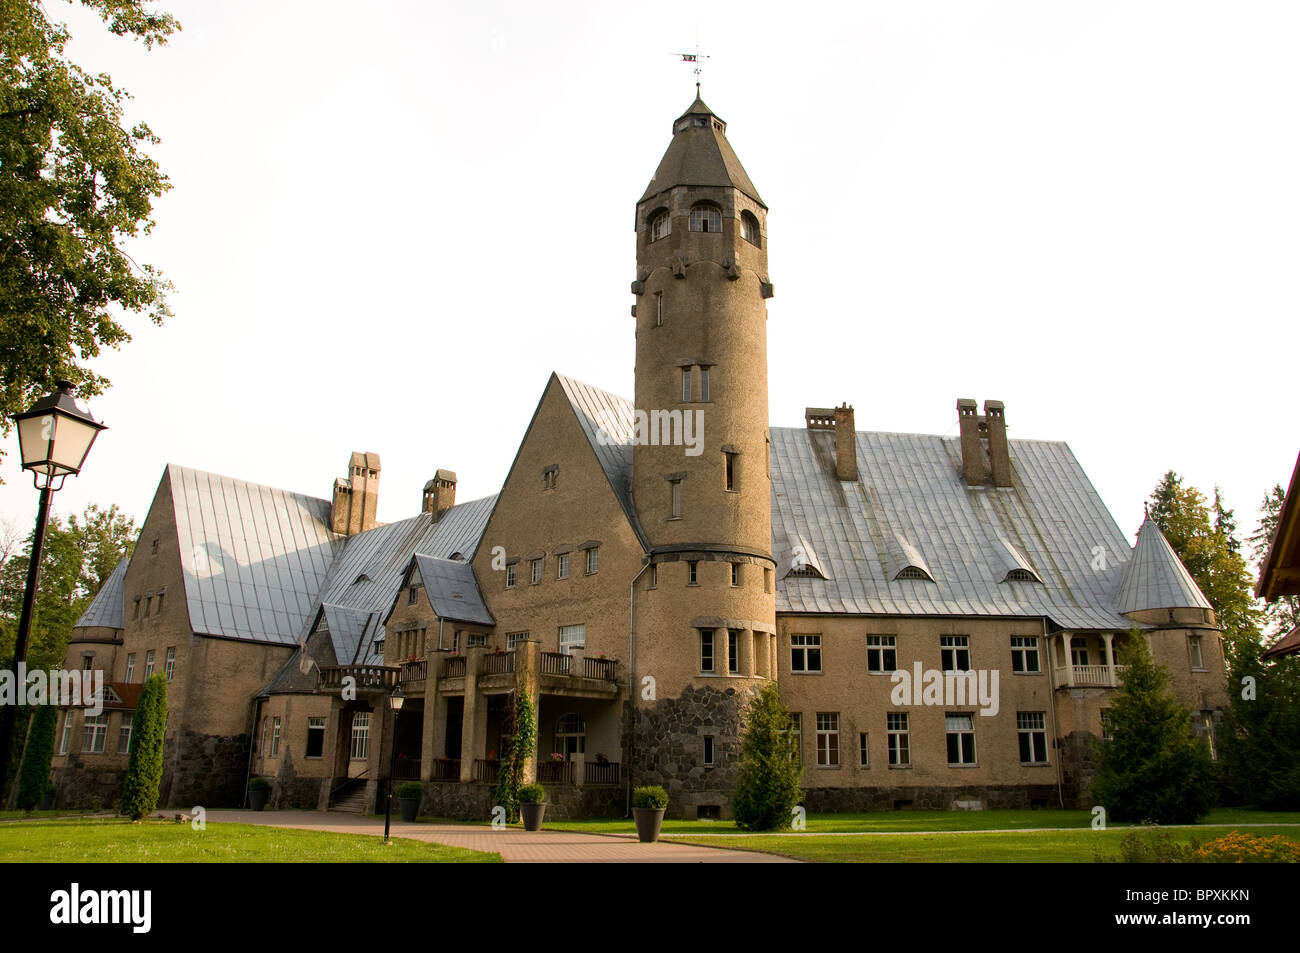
{"points": [[356, 496], [985, 456], [995, 419], [439, 494], [972, 452], [846, 444]]}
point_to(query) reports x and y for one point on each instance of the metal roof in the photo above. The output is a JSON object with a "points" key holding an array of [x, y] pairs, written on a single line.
{"points": [[347, 628], [452, 589], [700, 155], [107, 609], [1156, 578], [910, 505]]}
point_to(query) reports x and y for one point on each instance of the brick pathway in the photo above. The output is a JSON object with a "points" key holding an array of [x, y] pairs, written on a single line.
{"points": [[514, 845]]}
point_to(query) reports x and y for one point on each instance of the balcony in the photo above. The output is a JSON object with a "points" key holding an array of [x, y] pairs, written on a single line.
{"points": [[414, 672], [365, 678], [486, 770], [1091, 676], [578, 677], [453, 666], [499, 663], [446, 769]]}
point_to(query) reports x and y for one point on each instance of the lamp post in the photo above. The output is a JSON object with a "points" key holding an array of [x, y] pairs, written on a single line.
{"points": [[395, 703], [54, 438]]}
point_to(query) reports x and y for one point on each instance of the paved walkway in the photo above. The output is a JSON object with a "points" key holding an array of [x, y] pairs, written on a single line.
{"points": [[514, 845]]}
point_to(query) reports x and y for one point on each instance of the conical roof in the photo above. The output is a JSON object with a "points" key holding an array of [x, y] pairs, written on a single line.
{"points": [[1155, 578], [700, 155]]}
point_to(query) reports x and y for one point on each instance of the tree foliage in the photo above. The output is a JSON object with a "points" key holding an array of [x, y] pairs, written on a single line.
{"points": [[75, 186], [768, 789], [523, 743], [144, 760], [34, 776], [1152, 768]]}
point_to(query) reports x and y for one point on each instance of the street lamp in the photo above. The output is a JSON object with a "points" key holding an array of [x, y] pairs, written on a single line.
{"points": [[54, 438], [395, 703]]}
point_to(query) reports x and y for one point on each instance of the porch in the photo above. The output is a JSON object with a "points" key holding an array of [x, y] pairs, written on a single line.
{"points": [[1086, 660]]}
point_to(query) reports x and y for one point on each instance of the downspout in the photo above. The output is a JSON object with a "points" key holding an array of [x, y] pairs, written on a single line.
{"points": [[631, 678], [252, 741], [1051, 690]]}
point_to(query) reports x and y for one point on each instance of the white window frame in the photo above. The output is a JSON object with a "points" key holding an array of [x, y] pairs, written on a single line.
{"points": [[169, 664], [315, 723], [573, 639], [953, 651], [1025, 648], [733, 651], [880, 649], [1031, 728], [510, 575], [562, 566], [688, 389], [124, 732], [864, 750], [661, 226], [802, 645], [704, 216], [66, 739], [708, 651], [94, 733], [1080, 651], [828, 739], [960, 725], [1196, 653], [593, 560], [704, 384], [513, 639], [148, 664], [536, 571], [692, 572], [359, 742], [130, 667], [898, 730], [275, 736]]}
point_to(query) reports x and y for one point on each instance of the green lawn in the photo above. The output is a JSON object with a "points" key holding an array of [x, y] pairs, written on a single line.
{"points": [[119, 841]]}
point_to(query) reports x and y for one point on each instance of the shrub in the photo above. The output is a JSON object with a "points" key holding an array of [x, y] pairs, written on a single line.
{"points": [[1150, 845], [652, 796], [258, 784], [34, 775], [144, 762], [1240, 847], [768, 789], [532, 794], [410, 789]]}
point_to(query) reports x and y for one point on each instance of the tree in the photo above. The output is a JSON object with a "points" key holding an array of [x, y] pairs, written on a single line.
{"points": [[1151, 769], [768, 789], [34, 776], [144, 760], [74, 187]]}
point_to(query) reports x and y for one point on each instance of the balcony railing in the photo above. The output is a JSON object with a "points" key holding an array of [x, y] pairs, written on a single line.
{"points": [[446, 769], [499, 664], [602, 668], [601, 772], [415, 671], [1096, 676], [378, 678], [555, 772], [454, 667], [406, 769], [486, 770], [555, 663]]}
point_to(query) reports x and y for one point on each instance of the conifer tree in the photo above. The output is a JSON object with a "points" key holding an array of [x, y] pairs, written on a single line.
{"points": [[144, 762], [34, 775], [770, 772]]}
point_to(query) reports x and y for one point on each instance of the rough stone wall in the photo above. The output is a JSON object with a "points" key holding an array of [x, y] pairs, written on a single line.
{"points": [[206, 770]]}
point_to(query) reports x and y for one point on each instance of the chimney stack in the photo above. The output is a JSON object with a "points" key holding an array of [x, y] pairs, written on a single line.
{"points": [[846, 444], [439, 494], [356, 496], [985, 455]]}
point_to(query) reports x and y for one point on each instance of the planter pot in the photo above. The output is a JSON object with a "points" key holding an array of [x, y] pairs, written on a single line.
{"points": [[649, 820], [257, 799], [532, 815], [410, 808]]}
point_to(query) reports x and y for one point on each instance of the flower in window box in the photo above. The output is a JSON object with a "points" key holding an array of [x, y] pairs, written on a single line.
{"points": [[556, 757]]}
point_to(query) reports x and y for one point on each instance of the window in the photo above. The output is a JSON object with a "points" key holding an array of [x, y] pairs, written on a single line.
{"points": [[455, 641], [659, 309], [961, 737], [124, 733], [862, 750], [654, 576], [954, 653], [900, 750], [475, 640], [1207, 732], [704, 383], [676, 492], [805, 653], [135, 613], [593, 560], [87, 662], [1024, 653], [729, 471], [1194, 651], [266, 736], [660, 226], [562, 565], [686, 384], [570, 735], [796, 729], [130, 667], [735, 574], [828, 739], [708, 749], [706, 650], [882, 654], [513, 639], [412, 594], [67, 733], [705, 218], [315, 737], [733, 651], [148, 663], [1031, 726], [359, 749], [536, 570], [1079, 650], [1107, 731], [510, 575], [275, 737], [169, 664], [573, 639], [692, 573], [749, 228], [94, 734]]}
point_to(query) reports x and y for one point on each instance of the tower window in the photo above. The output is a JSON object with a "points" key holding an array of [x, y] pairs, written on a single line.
{"points": [[729, 470], [706, 218], [706, 650], [686, 384], [676, 499], [749, 228], [704, 383], [692, 573], [659, 309], [735, 574], [660, 225]]}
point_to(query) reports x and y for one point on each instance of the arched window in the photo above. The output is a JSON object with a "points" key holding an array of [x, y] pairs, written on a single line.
{"points": [[749, 228], [706, 218], [570, 735], [660, 225]]}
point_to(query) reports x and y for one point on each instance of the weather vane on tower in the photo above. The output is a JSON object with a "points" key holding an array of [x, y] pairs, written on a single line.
{"points": [[698, 59]]}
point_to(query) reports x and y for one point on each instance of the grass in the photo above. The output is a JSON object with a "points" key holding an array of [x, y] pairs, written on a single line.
{"points": [[120, 841], [57, 812]]}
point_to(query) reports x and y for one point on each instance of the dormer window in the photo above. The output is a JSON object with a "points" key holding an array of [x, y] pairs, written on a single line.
{"points": [[913, 572], [749, 229], [661, 225], [706, 218], [1020, 575]]}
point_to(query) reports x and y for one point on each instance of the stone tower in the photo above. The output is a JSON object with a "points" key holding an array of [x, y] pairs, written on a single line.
{"points": [[705, 607]]}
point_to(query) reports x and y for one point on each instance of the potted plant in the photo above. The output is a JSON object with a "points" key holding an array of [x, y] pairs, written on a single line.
{"points": [[259, 789], [409, 795], [648, 805], [532, 806]]}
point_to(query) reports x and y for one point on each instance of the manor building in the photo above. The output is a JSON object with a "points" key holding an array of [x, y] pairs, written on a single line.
{"points": [[646, 566]]}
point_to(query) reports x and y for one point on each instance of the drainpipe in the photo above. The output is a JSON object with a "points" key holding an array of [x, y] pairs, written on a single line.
{"points": [[1051, 709], [252, 740], [631, 678]]}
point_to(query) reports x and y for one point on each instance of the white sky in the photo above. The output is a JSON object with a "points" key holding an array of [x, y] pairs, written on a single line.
{"points": [[391, 222]]}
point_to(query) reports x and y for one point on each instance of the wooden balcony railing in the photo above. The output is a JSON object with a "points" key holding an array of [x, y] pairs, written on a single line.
{"points": [[499, 664], [555, 663], [454, 667], [601, 772], [378, 678], [415, 671], [446, 769], [485, 770], [602, 668], [555, 772], [406, 769]]}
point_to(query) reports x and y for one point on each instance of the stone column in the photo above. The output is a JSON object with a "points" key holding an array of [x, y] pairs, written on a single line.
{"points": [[528, 666], [473, 729], [1107, 637], [721, 652], [1069, 659], [745, 645], [772, 657]]}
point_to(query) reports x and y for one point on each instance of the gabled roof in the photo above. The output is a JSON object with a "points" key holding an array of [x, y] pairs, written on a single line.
{"points": [[910, 505], [452, 589], [1155, 577], [107, 609], [1288, 644], [700, 155], [1279, 573], [348, 628]]}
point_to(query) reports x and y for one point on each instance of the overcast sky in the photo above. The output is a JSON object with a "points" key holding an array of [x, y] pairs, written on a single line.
{"points": [[391, 222]]}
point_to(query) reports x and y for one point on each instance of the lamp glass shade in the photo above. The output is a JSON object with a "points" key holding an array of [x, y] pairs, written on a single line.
{"points": [[395, 700], [54, 441]]}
